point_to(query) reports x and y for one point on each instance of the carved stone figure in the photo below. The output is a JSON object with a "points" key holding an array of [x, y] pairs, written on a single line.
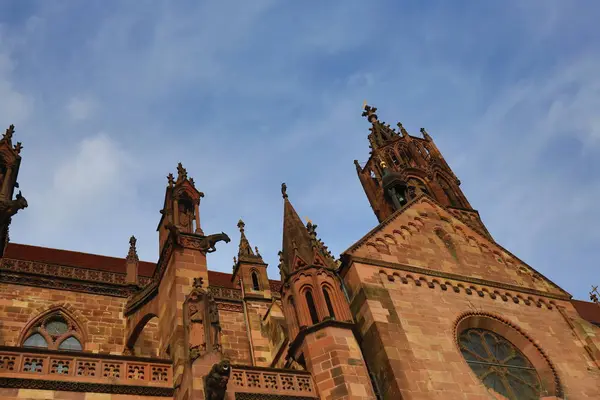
{"points": [[215, 326], [215, 383], [211, 240], [11, 207]]}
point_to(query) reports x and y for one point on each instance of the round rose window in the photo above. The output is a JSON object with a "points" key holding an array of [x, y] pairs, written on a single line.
{"points": [[500, 365]]}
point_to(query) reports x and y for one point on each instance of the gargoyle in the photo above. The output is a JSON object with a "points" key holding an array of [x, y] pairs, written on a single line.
{"points": [[211, 240], [10, 208], [215, 383]]}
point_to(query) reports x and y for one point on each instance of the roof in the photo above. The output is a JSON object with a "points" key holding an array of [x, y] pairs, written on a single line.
{"points": [[588, 311], [98, 262]]}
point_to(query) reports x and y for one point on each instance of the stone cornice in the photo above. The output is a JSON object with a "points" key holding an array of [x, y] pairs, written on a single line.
{"points": [[59, 283], [54, 276], [348, 259]]}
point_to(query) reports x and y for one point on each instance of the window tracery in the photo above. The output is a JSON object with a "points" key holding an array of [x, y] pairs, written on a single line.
{"points": [[500, 365], [55, 332]]}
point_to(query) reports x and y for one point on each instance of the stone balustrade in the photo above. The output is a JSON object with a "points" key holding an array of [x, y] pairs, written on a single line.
{"points": [[78, 371], [283, 382]]}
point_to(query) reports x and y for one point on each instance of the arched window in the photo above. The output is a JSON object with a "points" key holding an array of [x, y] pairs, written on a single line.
{"points": [[310, 302], [55, 332], [255, 285], [417, 186], [328, 302], [448, 192], [500, 365]]}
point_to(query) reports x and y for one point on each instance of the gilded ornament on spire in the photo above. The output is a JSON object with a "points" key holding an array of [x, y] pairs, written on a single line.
{"points": [[369, 112]]}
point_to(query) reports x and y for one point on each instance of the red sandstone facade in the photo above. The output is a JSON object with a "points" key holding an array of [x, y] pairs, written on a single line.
{"points": [[425, 306]]}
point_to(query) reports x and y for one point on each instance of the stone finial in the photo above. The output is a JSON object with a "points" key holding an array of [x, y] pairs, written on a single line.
{"points": [[171, 180], [181, 172], [257, 252], [284, 190], [594, 295], [241, 225], [402, 130], [132, 255], [357, 165], [191, 181], [369, 113], [8, 134], [18, 147]]}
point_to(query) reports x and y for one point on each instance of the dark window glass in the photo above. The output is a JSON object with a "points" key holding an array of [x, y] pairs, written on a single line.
{"points": [[329, 304], [255, 284], [311, 307], [500, 365]]}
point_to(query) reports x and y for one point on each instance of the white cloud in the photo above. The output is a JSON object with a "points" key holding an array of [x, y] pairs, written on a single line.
{"points": [[80, 108]]}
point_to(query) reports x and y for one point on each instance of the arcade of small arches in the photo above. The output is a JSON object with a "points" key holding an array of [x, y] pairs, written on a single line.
{"points": [[314, 298]]}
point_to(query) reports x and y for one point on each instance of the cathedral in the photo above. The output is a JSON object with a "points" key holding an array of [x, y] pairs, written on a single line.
{"points": [[424, 306]]}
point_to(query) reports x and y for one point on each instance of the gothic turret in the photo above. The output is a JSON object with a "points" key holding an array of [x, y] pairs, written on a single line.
{"points": [[402, 167], [249, 269], [10, 161], [181, 209], [318, 316]]}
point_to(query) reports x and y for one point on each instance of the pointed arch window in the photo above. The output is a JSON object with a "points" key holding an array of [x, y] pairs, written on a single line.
{"points": [[255, 284], [310, 302], [448, 192], [417, 186], [54, 332], [328, 303]]}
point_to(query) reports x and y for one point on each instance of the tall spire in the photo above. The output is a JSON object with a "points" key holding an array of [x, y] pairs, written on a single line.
{"points": [[245, 252], [300, 245]]}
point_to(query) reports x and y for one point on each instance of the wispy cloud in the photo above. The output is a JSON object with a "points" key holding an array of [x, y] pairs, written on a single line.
{"points": [[109, 96]]}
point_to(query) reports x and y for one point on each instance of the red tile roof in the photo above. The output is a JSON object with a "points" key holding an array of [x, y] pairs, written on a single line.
{"points": [[588, 311], [98, 262]]}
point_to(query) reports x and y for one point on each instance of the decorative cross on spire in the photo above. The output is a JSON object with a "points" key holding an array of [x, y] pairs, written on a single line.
{"points": [[370, 113]]}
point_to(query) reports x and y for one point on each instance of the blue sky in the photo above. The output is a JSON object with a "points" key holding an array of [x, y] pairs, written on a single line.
{"points": [[107, 96]]}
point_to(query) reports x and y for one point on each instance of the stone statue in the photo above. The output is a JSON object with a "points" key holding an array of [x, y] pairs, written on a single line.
{"points": [[215, 383], [215, 326]]}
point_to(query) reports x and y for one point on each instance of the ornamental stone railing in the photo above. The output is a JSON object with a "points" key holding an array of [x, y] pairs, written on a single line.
{"points": [[84, 372], [283, 382]]}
